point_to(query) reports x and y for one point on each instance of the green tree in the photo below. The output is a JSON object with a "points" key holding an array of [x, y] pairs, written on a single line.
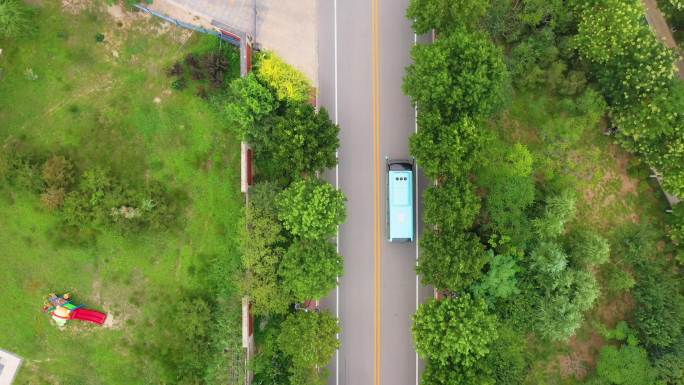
{"points": [[287, 83], [299, 142], [564, 300], [309, 339], [450, 260], [249, 102], [608, 28], [444, 15], [309, 269], [627, 365], [588, 249], [558, 210], [445, 149], [506, 175], [670, 365], [462, 74], [14, 18], [499, 281], [454, 331], [451, 206], [508, 358], [262, 243], [454, 374], [311, 209], [617, 279], [659, 315]]}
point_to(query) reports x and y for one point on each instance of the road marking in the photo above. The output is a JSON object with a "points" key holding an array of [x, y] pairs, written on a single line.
{"points": [[415, 130], [376, 161], [337, 185]]}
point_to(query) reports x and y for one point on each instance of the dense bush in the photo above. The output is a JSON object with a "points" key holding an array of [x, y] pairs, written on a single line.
{"points": [[58, 172], [659, 316], [311, 209], [101, 199], [180, 339], [287, 83], [14, 18], [669, 364], [627, 365]]}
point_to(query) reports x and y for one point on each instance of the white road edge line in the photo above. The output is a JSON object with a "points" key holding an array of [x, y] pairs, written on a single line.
{"points": [[337, 185], [415, 130]]}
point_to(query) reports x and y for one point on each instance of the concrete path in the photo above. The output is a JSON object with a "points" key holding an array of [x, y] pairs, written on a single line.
{"points": [[659, 25], [362, 58], [286, 27], [9, 366]]}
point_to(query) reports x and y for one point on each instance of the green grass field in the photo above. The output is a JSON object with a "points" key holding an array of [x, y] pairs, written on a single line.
{"points": [[110, 104]]}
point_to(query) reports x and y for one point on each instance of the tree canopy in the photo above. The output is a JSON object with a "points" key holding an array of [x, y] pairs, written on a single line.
{"points": [[309, 269], [454, 331], [460, 74], [311, 209]]}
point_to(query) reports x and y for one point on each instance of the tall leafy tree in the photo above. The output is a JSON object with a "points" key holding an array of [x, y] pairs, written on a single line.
{"points": [[309, 268], [454, 331], [311, 209], [461, 74], [262, 250], [450, 259], [445, 15], [505, 173], [309, 339], [452, 205], [249, 102], [445, 149], [299, 142]]}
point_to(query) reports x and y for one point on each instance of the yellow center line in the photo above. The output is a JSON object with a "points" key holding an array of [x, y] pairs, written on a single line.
{"points": [[376, 161]]}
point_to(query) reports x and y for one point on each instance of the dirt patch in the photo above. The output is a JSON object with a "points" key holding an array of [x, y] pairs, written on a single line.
{"points": [[616, 309], [582, 358], [75, 7]]}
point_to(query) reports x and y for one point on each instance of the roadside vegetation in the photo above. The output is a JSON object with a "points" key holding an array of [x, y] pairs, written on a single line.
{"points": [[122, 188], [674, 13], [548, 245], [290, 221]]}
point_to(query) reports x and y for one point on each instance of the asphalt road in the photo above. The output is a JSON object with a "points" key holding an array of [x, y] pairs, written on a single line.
{"points": [[364, 47]]}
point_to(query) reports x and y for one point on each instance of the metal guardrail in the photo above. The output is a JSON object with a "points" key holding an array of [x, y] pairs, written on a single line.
{"points": [[177, 22]]}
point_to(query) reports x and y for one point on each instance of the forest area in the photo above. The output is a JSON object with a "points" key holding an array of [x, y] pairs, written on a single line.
{"points": [[556, 262]]}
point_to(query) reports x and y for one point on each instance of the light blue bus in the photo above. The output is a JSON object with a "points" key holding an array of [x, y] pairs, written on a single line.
{"points": [[400, 220]]}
